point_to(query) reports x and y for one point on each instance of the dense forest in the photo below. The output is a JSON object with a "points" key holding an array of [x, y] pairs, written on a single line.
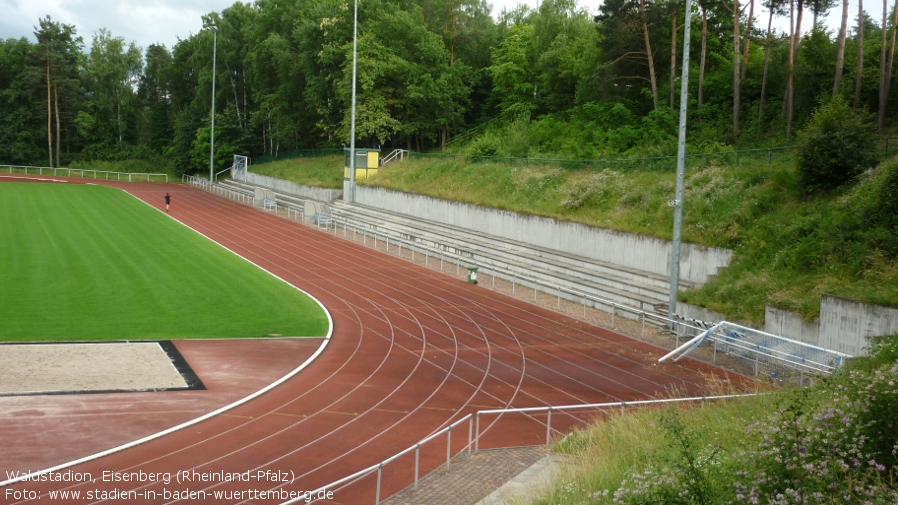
{"points": [[581, 84]]}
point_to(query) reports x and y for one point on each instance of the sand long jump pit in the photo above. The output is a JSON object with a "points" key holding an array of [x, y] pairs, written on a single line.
{"points": [[94, 367]]}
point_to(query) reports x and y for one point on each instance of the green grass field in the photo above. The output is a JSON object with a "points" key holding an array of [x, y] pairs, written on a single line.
{"points": [[81, 262]]}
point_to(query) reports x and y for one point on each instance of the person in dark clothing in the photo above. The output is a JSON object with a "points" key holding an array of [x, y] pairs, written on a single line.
{"points": [[167, 201]]}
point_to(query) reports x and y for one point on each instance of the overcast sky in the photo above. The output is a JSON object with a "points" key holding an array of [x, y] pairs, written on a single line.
{"points": [[165, 21]]}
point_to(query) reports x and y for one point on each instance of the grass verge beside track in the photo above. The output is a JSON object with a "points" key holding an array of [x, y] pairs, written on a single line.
{"points": [[82, 262]]}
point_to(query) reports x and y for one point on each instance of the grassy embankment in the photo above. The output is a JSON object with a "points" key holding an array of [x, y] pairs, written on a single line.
{"points": [[790, 247], [832, 442], [83, 262]]}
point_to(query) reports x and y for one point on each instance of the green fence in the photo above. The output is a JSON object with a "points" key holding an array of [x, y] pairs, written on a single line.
{"points": [[660, 163], [300, 153]]}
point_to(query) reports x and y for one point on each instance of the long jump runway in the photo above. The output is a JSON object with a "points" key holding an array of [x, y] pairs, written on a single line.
{"points": [[411, 352]]}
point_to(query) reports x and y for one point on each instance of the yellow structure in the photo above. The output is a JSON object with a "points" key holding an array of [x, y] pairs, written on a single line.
{"points": [[367, 162]]}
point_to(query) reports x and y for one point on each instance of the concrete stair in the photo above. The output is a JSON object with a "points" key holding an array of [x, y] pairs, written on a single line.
{"points": [[283, 199]]}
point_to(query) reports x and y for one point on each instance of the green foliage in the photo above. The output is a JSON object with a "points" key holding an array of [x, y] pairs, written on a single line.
{"points": [[838, 143], [427, 70], [512, 72], [517, 137], [834, 442], [201, 151]]}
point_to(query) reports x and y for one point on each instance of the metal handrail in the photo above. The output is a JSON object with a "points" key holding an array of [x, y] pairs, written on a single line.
{"points": [[83, 171], [397, 153], [377, 467], [475, 437], [223, 171]]}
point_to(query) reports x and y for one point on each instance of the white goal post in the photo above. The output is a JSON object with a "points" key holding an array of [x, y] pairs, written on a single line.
{"points": [[238, 169]]}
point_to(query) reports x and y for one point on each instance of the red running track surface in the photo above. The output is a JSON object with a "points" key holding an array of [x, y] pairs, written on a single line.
{"points": [[412, 351]]}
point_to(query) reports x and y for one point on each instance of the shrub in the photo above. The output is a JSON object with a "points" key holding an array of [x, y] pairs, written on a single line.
{"points": [[838, 143]]}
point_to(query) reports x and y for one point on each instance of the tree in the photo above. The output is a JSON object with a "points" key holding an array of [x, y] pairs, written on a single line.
{"points": [[155, 93], [859, 78], [59, 52], [626, 40], [840, 56], [20, 104], [775, 7], [751, 19], [112, 74], [512, 72], [885, 65], [737, 13], [838, 143]]}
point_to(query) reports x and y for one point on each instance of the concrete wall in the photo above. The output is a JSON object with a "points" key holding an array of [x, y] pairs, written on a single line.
{"points": [[791, 325], [846, 324], [843, 326], [625, 249], [688, 311], [319, 194]]}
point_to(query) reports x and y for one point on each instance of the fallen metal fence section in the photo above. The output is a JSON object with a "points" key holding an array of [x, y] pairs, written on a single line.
{"points": [[85, 173], [763, 347]]}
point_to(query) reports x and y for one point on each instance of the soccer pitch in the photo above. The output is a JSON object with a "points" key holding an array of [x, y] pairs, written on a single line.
{"points": [[84, 262]]}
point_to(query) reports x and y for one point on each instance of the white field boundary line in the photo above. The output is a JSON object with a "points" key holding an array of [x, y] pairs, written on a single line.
{"points": [[210, 415], [41, 179]]}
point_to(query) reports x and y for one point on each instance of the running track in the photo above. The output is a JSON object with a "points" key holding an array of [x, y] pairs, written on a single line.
{"points": [[412, 351]]}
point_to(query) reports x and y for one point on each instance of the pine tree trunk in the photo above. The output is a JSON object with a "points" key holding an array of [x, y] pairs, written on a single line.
{"points": [[858, 79], [880, 119], [673, 54], [891, 58], [751, 19], [736, 59], [766, 66], [787, 102], [840, 55], [56, 106], [648, 54], [49, 117], [703, 57]]}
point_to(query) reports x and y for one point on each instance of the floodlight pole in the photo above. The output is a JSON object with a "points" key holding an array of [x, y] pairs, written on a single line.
{"points": [[349, 192], [212, 140], [681, 162]]}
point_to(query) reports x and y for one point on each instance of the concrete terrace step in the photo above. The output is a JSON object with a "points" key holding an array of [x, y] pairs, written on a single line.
{"points": [[621, 285], [464, 235], [245, 188]]}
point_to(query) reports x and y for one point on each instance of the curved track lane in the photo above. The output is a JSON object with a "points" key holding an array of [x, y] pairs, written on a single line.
{"points": [[411, 352]]}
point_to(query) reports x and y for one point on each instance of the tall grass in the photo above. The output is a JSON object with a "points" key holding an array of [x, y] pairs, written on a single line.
{"points": [[619, 448], [325, 172]]}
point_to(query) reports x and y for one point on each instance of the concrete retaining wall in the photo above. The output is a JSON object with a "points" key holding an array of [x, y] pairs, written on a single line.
{"points": [[625, 249], [846, 324], [791, 325], [319, 194]]}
